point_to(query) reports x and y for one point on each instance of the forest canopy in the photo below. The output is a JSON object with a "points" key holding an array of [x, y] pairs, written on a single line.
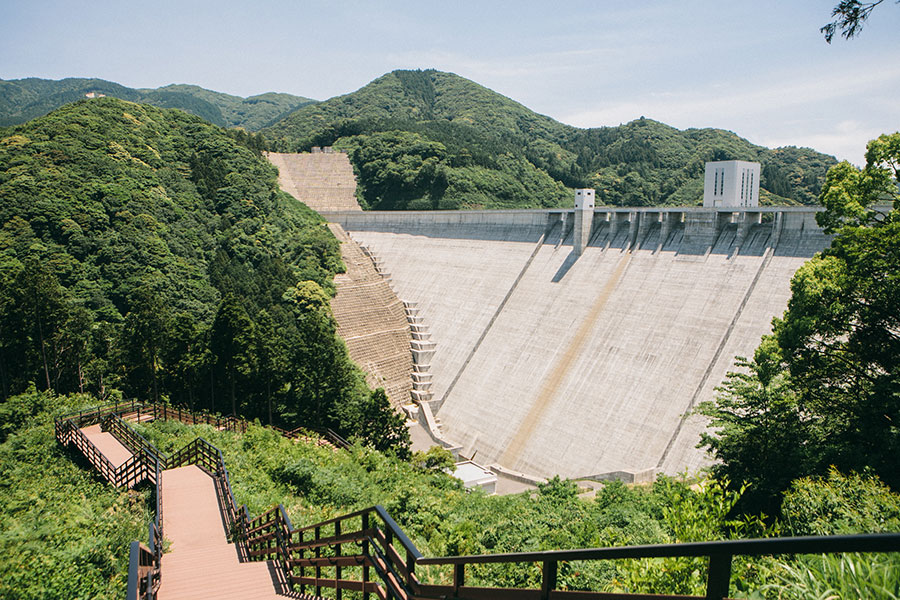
{"points": [[146, 251], [822, 390]]}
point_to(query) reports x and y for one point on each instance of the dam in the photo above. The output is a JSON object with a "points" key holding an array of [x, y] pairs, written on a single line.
{"points": [[548, 358]]}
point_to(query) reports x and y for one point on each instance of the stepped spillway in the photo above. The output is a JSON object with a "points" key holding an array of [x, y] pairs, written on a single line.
{"points": [[372, 322], [371, 319], [547, 364], [323, 180]]}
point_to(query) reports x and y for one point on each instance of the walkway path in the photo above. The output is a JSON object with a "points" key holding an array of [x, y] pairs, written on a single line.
{"points": [[199, 561], [199, 556], [108, 445]]}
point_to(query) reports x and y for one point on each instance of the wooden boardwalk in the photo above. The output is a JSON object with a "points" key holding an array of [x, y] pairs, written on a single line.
{"points": [[108, 445], [199, 561]]}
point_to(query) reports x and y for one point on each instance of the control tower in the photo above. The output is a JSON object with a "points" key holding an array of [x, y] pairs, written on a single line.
{"points": [[584, 218], [731, 183]]}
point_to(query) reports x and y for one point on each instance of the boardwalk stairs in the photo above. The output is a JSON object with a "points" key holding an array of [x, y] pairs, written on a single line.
{"points": [[217, 550]]}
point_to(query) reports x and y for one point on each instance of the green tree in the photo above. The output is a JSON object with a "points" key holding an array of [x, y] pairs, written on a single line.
{"points": [[323, 380], [824, 389], [851, 16], [231, 343], [435, 458], [145, 335], [757, 431], [187, 357], [35, 309], [862, 197], [73, 351], [271, 359], [382, 427], [841, 341]]}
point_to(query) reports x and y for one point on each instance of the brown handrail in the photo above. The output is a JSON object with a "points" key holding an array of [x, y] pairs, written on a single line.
{"points": [[380, 545], [146, 463]]}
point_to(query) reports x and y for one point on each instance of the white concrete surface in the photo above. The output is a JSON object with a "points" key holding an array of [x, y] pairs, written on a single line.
{"points": [[591, 363], [731, 183], [474, 475]]}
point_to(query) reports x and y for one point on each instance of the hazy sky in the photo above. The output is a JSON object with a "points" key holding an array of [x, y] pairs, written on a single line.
{"points": [[758, 68]]}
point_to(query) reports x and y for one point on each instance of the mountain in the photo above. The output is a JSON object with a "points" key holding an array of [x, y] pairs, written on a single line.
{"points": [[434, 140], [149, 251], [25, 99], [429, 139], [251, 113]]}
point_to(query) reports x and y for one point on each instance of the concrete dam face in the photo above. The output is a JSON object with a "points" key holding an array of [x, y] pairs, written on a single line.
{"points": [[549, 362]]}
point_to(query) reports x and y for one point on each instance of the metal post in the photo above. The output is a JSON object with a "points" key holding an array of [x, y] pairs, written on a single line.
{"points": [[134, 563], [337, 568], [719, 578], [548, 581], [365, 551], [459, 577], [318, 568], [410, 568], [302, 553]]}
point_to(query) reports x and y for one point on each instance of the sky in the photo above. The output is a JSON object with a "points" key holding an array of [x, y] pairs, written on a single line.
{"points": [[758, 68]]}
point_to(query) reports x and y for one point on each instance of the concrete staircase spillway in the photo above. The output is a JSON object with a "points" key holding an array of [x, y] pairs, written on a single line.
{"points": [[371, 319], [322, 181], [372, 322], [422, 351]]}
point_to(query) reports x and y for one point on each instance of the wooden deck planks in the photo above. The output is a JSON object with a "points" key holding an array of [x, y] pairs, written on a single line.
{"points": [[200, 562], [108, 445]]}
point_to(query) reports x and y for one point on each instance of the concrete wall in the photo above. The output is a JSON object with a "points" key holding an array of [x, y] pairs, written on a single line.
{"points": [[550, 363]]}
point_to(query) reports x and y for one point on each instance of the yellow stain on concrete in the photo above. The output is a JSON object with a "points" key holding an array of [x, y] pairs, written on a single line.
{"points": [[553, 381]]}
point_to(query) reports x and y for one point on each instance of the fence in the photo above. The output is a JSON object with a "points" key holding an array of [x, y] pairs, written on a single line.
{"points": [[382, 559]]}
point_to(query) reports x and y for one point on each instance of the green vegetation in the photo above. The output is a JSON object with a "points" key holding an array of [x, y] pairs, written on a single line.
{"points": [[147, 251], [42, 528], [433, 140], [850, 15], [24, 99], [316, 483], [64, 533], [822, 389]]}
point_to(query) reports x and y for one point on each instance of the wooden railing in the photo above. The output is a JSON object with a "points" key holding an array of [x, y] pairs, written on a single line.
{"points": [[366, 552], [190, 417], [91, 416], [719, 555], [328, 436], [145, 464], [128, 474], [145, 563], [314, 557]]}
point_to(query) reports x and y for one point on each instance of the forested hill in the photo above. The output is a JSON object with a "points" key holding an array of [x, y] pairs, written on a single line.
{"points": [[428, 139], [24, 99], [146, 250]]}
